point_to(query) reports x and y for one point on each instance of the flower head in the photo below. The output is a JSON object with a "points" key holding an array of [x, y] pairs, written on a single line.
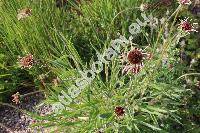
{"points": [[135, 60], [27, 61], [186, 26], [119, 111], [16, 98], [24, 13], [135, 56], [184, 2]]}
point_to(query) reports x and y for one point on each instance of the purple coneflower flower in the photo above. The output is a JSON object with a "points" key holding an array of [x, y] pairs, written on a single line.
{"points": [[135, 60], [119, 111], [186, 26]]}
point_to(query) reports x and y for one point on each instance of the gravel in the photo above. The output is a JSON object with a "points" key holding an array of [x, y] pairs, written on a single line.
{"points": [[13, 121]]}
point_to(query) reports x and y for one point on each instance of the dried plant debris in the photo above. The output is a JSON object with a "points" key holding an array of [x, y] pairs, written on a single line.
{"points": [[26, 61], [24, 13]]}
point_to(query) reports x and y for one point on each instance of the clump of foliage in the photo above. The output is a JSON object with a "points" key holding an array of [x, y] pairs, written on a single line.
{"points": [[65, 40]]}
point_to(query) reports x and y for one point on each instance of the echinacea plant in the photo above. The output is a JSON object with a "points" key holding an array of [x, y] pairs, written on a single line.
{"points": [[146, 96]]}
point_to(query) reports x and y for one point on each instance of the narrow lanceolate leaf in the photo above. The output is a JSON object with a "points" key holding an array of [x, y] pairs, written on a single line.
{"points": [[150, 126], [157, 109], [4, 75], [71, 49]]}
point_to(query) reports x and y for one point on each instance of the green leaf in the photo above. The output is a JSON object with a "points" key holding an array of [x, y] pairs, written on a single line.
{"points": [[105, 115], [150, 126]]}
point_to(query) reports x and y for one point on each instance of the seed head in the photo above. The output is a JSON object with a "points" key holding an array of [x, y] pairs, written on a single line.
{"points": [[24, 13], [27, 61], [16, 98]]}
